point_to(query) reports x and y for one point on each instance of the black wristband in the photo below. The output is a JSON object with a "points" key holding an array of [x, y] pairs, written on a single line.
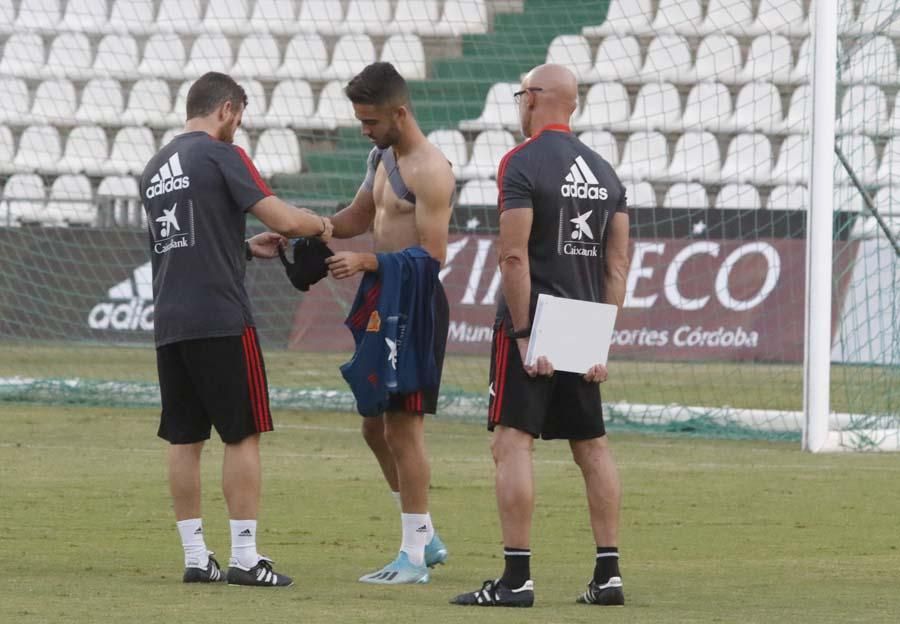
{"points": [[522, 333], [247, 251]]}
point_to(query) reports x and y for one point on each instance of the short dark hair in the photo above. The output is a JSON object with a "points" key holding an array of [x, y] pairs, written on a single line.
{"points": [[212, 90], [378, 84]]}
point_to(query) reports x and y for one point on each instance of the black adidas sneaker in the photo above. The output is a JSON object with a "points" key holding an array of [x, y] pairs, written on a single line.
{"points": [[260, 575], [211, 574], [496, 594], [608, 594]]}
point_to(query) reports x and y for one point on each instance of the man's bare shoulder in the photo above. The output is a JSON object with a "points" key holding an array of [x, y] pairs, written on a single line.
{"points": [[431, 166]]}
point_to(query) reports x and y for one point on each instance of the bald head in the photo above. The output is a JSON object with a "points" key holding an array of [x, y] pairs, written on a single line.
{"points": [[553, 97]]}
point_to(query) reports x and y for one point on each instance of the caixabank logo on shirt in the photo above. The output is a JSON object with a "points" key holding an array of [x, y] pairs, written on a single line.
{"points": [[174, 228]]}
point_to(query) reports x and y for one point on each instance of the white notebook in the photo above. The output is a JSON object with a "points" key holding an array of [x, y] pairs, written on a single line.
{"points": [[574, 335]]}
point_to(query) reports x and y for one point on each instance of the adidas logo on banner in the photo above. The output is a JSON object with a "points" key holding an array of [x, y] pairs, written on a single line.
{"points": [[126, 307], [170, 177], [582, 184]]}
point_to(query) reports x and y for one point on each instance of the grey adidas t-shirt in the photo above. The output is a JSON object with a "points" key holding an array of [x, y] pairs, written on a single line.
{"points": [[196, 192], [573, 193]]}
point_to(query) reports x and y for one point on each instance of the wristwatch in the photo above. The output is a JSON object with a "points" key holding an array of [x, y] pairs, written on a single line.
{"points": [[247, 252]]}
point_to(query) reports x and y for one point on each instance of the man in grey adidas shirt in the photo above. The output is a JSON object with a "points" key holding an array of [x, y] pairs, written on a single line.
{"points": [[197, 192]]}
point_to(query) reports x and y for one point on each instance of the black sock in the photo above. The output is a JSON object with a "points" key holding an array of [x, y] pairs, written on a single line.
{"points": [[607, 564], [518, 567]]}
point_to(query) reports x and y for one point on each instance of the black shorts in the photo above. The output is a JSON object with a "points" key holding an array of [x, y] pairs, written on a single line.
{"points": [[209, 382], [425, 401], [563, 406]]}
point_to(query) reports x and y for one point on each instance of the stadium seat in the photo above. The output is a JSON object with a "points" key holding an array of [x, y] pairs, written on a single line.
{"points": [[887, 202], [848, 199], [85, 16], [478, 193], [799, 116], [640, 194], [894, 121], [802, 72], [748, 159], [500, 109], [686, 195], [38, 16], [863, 111], [164, 57], [604, 143], [7, 153], [695, 158], [625, 17], [334, 109], [860, 154], [618, 59], [868, 228], [25, 198], [372, 17], [757, 107], [351, 53], [71, 201], [101, 103], [180, 16], [54, 103], [875, 61], [876, 16], [669, 59], [70, 57], [86, 150], [131, 17], [406, 53], [131, 149], [210, 52], [258, 57], [738, 197], [644, 156], [416, 16], [792, 164], [7, 19], [40, 149], [227, 16], [681, 17], [708, 107], [277, 151], [453, 145], [170, 134], [15, 103], [788, 197], [889, 169], [23, 55], [783, 17], [117, 57], [292, 103], [574, 52], [321, 16], [731, 17], [276, 17], [605, 106], [118, 186], [150, 104], [488, 149], [305, 57], [242, 140], [257, 107], [718, 59], [769, 58], [463, 17], [656, 107]]}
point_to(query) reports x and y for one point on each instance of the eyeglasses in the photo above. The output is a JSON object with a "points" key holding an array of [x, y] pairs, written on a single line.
{"points": [[517, 96]]}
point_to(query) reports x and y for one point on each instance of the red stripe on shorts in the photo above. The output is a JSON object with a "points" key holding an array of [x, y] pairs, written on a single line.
{"points": [[502, 361], [259, 400]]}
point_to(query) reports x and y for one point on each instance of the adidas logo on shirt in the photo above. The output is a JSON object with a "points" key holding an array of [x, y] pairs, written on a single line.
{"points": [[170, 177], [582, 184]]}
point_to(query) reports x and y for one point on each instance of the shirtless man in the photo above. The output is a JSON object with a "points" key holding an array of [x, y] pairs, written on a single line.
{"points": [[406, 200]]}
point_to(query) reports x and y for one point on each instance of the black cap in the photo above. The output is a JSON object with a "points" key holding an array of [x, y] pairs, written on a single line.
{"points": [[309, 262]]}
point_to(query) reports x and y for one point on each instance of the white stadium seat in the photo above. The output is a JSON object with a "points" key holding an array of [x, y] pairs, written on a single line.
{"points": [[788, 197], [874, 61], [86, 151], [748, 159], [334, 110], [164, 57], [7, 17], [292, 103], [860, 154], [351, 54], [150, 103], [784, 17], [758, 107], [686, 195], [695, 158], [640, 195], [708, 107], [889, 169], [792, 164], [462, 17], [227, 16], [799, 116], [257, 57], [605, 107], [738, 197], [406, 53], [16, 101], [241, 139], [644, 156], [894, 122], [488, 149], [478, 193], [656, 107], [23, 55], [618, 59], [278, 17], [719, 59], [54, 103], [802, 72], [769, 58], [118, 186], [85, 16], [678, 16], [848, 199], [500, 109], [624, 17], [39, 150], [453, 145], [101, 102], [602, 142], [367, 16], [877, 16], [669, 59], [132, 148], [732, 17], [25, 198], [321, 16], [863, 111], [574, 52], [305, 57], [170, 134], [7, 153], [117, 57], [210, 52], [181, 16], [416, 16], [257, 107], [887, 201], [70, 57], [38, 15], [71, 201], [131, 17], [277, 151]]}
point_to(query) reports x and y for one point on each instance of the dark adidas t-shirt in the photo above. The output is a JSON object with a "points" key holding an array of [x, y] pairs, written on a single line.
{"points": [[196, 192], [574, 193]]}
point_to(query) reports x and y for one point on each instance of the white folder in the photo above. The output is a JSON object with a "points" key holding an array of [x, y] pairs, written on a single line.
{"points": [[574, 335]]}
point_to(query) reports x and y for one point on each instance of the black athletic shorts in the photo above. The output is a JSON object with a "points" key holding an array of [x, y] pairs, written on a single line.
{"points": [[563, 406], [425, 401], [209, 382]]}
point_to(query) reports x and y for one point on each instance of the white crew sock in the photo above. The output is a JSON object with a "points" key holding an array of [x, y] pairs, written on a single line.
{"points": [[396, 497], [415, 533], [430, 535], [195, 553], [243, 544]]}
